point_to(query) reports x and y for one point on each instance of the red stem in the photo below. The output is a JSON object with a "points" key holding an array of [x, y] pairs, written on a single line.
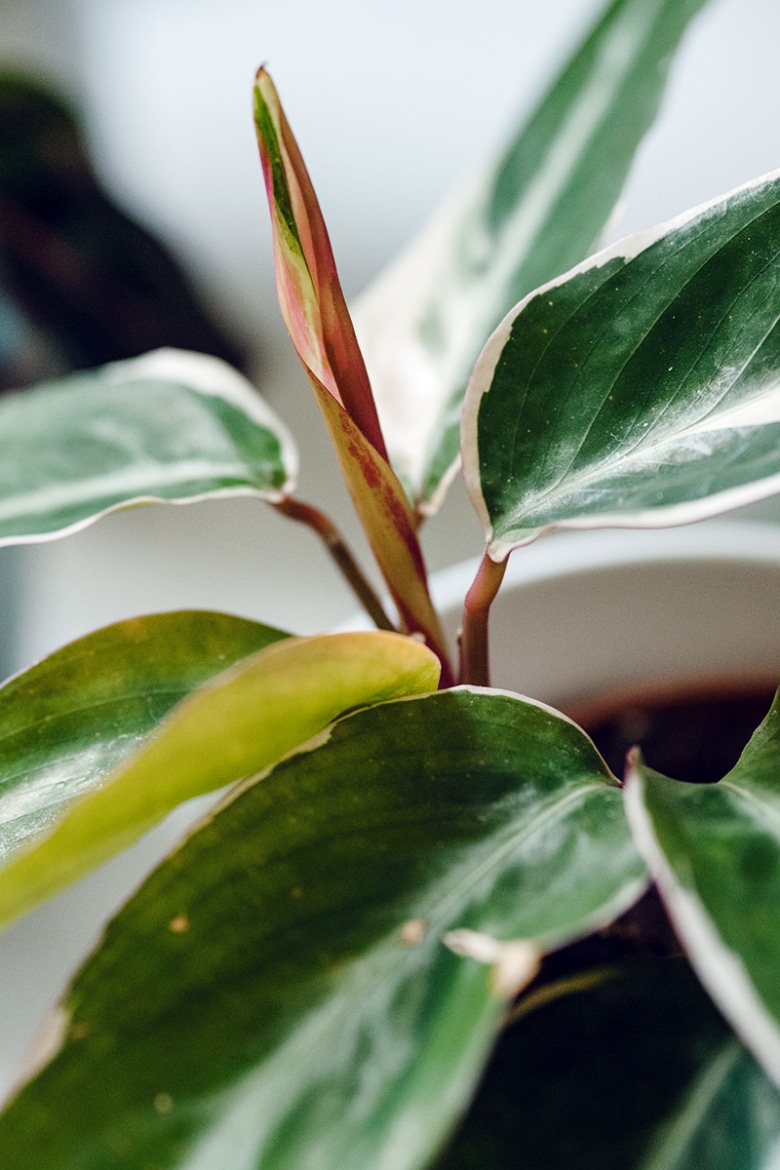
{"points": [[474, 658], [338, 549]]}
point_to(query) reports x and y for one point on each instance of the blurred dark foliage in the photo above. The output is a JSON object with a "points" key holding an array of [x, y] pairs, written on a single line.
{"points": [[80, 282]]}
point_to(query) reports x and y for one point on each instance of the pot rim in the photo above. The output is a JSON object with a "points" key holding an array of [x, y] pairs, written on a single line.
{"points": [[574, 554]]}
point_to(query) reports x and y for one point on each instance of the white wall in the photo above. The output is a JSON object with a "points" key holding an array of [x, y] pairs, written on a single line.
{"points": [[392, 103]]}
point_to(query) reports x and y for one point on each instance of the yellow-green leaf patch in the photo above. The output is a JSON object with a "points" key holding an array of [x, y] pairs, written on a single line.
{"points": [[66, 722], [243, 720]]}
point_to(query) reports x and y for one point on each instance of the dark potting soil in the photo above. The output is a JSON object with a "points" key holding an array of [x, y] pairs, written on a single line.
{"points": [[690, 736], [693, 738]]}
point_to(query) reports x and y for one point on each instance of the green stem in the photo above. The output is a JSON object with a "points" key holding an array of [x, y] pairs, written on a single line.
{"points": [[474, 664], [337, 547]]}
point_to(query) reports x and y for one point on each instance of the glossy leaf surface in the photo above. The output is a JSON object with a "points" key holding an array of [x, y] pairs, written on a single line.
{"points": [[634, 1070], [279, 993], [170, 426], [715, 853], [68, 721], [321, 329], [243, 720], [643, 388], [533, 216]]}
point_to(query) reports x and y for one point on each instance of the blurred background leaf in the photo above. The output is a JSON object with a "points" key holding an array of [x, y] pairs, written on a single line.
{"points": [[81, 282]]}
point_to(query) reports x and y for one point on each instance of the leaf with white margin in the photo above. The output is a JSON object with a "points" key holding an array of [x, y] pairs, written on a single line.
{"points": [[239, 722], [279, 994], [171, 426], [642, 388], [714, 850], [540, 210]]}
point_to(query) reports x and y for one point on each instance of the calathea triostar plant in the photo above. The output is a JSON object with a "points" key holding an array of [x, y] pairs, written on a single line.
{"points": [[317, 975]]}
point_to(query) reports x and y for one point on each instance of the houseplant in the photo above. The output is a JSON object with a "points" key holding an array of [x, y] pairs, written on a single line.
{"points": [[317, 975]]}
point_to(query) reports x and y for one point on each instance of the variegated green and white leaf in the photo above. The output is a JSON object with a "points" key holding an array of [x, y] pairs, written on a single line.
{"points": [[170, 426], [714, 850], [283, 991], [539, 211], [642, 388]]}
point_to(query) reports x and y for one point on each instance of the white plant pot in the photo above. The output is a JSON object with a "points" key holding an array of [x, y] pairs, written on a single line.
{"points": [[584, 614], [578, 615]]}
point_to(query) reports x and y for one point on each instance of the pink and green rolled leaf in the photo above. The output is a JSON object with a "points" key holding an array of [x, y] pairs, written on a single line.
{"points": [[310, 295], [69, 720], [316, 315], [386, 515]]}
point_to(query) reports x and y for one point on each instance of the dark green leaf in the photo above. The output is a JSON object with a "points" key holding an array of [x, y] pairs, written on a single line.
{"points": [[631, 1070], [641, 389], [714, 850], [279, 992], [538, 212], [168, 426]]}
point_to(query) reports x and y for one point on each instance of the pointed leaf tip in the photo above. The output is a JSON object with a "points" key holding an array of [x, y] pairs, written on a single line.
{"points": [[310, 294], [537, 212]]}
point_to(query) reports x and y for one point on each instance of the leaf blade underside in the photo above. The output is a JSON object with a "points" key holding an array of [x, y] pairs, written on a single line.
{"points": [[714, 851], [167, 427], [542, 208]]}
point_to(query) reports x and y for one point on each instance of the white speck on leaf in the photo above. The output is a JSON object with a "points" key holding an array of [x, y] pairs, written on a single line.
{"points": [[514, 963], [413, 931], [163, 1103]]}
